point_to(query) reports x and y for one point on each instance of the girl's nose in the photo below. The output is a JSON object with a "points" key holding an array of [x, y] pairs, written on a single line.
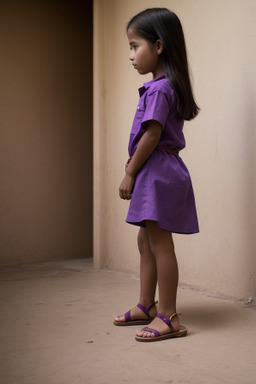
{"points": [[131, 57]]}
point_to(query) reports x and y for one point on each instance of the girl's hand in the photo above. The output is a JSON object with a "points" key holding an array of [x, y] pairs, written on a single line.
{"points": [[126, 187], [146, 146]]}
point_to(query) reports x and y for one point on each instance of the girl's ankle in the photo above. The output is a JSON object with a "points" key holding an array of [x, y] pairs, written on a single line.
{"points": [[167, 313], [146, 301]]}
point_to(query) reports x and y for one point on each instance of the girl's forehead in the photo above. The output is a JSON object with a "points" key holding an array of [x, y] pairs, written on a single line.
{"points": [[133, 36]]}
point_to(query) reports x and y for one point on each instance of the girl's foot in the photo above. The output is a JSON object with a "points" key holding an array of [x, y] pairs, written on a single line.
{"points": [[137, 314], [160, 326]]}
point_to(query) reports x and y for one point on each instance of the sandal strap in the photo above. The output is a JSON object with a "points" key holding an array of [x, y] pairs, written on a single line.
{"points": [[127, 315], [151, 330], [168, 321], [146, 309]]}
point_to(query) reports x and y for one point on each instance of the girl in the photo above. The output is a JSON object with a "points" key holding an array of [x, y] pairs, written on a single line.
{"points": [[156, 179]]}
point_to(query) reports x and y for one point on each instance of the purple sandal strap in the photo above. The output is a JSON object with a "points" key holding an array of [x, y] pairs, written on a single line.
{"points": [[168, 321], [140, 306], [150, 306], [156, 333], [146, 309], [127, 316], [164, 319]]}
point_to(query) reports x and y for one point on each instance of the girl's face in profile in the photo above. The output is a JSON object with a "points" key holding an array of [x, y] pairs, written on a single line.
{"points": [[145, 56]]}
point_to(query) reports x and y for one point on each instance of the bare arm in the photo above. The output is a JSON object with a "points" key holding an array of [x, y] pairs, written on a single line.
{"points": [[146, 146]]}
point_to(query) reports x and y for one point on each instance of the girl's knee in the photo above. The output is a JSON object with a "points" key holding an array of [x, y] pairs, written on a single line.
{"points": [[142, 240], [160, 240], [161, 249]]}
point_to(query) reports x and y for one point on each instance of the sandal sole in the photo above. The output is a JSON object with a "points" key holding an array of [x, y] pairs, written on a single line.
{"points": [[170, 335]]}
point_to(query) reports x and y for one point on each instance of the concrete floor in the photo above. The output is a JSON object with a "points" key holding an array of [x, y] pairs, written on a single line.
{"points": [[56, 328]]}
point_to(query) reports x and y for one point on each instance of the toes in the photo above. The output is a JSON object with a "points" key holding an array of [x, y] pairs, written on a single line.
{"points": [[144, 334], [149, 334], [141, 334], [119, 318]]}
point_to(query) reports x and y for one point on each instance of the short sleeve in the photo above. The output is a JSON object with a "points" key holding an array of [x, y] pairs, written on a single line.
{"points": [[158, 107]]}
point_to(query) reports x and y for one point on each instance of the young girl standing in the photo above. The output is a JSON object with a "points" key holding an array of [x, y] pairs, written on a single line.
{"points": [[156, 179]]}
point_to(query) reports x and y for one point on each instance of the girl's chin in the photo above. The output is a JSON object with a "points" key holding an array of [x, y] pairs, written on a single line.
{"points": [[141, 72]]}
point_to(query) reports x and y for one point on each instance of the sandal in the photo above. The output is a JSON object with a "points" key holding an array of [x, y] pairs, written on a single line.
{"points": [[129, 321], [181, 332]]}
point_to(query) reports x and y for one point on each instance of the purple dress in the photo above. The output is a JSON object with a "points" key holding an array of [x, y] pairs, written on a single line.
{"points": [[163, 190]]}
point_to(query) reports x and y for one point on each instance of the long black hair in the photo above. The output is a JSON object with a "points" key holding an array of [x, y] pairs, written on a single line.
{"points": [[154, 24]]}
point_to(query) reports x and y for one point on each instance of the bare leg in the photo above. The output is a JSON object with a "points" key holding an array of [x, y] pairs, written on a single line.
{"points": [[161, 246], [148, 277], [148, 273]]}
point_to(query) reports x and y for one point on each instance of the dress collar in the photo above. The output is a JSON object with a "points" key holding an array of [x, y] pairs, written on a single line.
{"points": [[146, 85]]}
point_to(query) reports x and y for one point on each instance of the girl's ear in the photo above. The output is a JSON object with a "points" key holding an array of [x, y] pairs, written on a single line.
{"points": [[159, 47]]}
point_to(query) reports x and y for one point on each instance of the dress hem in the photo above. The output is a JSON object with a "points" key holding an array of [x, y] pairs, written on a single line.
{"points": [[180, 232]]}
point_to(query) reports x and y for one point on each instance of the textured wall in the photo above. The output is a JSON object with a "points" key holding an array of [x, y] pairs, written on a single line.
{"points": [[45, 131], [220, 151]]}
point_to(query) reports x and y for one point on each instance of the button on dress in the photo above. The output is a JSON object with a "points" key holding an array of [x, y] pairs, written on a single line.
{"points": [[163, 190]]}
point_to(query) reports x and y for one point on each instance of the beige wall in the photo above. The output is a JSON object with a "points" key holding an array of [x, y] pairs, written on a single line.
{"points": [[220, 150], [45, 131]]}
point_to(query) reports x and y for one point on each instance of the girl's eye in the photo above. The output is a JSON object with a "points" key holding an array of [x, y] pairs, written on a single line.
{"points": [[133, 48]]}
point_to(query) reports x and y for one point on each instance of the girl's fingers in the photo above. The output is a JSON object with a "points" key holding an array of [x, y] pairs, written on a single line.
{"points": [[125, 195]]}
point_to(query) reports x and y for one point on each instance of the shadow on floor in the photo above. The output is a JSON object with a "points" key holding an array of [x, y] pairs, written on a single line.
{"points": [[212, 315]]}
